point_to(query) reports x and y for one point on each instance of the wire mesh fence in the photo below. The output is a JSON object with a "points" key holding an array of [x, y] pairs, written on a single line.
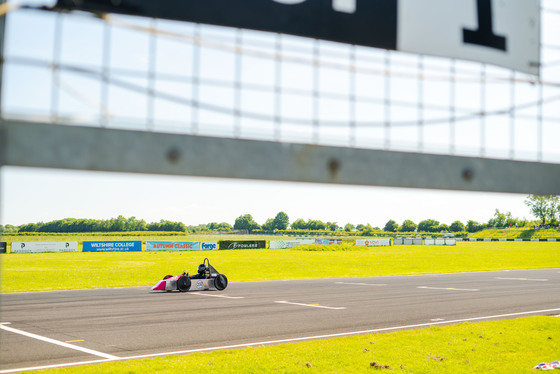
{"points": [[122, 72]]}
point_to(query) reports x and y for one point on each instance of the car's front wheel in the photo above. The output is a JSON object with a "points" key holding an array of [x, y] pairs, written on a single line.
{"points": [[220, 282], [183, 284]]}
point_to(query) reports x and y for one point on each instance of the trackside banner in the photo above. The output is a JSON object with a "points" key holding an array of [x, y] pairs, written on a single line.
{"points": [[171, 246], [279, 244], [113, 246], [208, 246], [38, 247], [500, 32], [242, 244], [3, 247], [328, 241], [373, 242]]}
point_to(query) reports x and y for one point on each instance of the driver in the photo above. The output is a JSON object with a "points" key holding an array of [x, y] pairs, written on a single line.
{"points": [[201, 272]]}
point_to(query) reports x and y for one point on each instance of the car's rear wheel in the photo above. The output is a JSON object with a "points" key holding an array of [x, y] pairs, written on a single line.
{"points": [[220, 282], [183, 284]]}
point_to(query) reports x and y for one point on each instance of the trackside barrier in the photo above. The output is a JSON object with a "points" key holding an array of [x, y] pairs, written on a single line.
{"points": [[328, 241], [136, 246], [41, 247], [159, 245], [282, 244], [170, 245], [113, 246], [208, 246], [382, 242], [426, 241], [242, 244]]}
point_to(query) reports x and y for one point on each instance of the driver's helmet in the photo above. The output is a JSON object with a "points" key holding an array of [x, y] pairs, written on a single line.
{"points": [[202, 269]]}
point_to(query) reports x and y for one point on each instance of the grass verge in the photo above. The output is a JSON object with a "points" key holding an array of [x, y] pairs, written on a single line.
{"points": [[56, 271], [513, 346]]}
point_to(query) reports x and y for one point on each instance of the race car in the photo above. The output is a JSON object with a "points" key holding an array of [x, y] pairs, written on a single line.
{"points": [[207, 278]]}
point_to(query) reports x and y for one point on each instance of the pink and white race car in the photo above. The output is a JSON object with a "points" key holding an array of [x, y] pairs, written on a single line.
{"points": [[207, 278]]}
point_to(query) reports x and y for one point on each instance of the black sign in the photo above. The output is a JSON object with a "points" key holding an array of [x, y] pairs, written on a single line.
{"points": [[470, 31], [242, 244], [364, 22], [3, 247]]}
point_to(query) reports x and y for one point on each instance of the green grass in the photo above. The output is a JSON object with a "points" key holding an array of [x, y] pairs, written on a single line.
{"points": [[516, 233], [513, 346], [54, 271]]}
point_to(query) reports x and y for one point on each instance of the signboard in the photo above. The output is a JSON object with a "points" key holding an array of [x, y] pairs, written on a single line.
{"points": [[373, 242], [3, 247], [242, 244], [171, 246], [113, 246], [279, 244], [505, 33], [328, 241], [208, 246], [39, 247]]}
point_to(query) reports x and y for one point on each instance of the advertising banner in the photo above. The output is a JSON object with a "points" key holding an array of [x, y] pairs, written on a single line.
{"points": [[280, 244], [505, 33], [328, 241], [242, 244], [377, 242], [39, 247], [3, 247], [113, 246], [153, 245], [208, 246]]}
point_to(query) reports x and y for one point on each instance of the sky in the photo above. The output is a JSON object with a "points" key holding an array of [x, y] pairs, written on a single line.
{"points": [[40, 195], [37, 195]]}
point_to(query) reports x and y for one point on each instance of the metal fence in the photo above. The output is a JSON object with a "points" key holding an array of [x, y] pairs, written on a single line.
{"points": [[121, 93]]}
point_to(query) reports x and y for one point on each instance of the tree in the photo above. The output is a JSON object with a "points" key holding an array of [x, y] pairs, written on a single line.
{"points": [[428, 225], [408, 226], [543, 206], [281, 221], [222, 226], [268, 225], [299, 224], [499, 219], [313, 224], [246, 222], [332, 226], [457, 226], [391, 226], [349, 227], [473, 226]]}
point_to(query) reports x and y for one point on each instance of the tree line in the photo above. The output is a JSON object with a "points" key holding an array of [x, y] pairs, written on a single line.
{"points": [[545, 208]]}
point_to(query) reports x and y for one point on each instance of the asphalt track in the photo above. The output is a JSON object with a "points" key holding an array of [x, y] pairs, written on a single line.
{"points": [[59, 328]]}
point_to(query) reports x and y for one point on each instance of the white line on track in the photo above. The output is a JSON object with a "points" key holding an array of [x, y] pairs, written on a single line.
{"points": [[362, 284], [312, 305], [269, 342], [222, 296], [449, 288], [524, 279], [57, 342]]}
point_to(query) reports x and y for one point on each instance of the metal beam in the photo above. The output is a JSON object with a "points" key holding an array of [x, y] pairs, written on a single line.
{"points": [[85, 148]]}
